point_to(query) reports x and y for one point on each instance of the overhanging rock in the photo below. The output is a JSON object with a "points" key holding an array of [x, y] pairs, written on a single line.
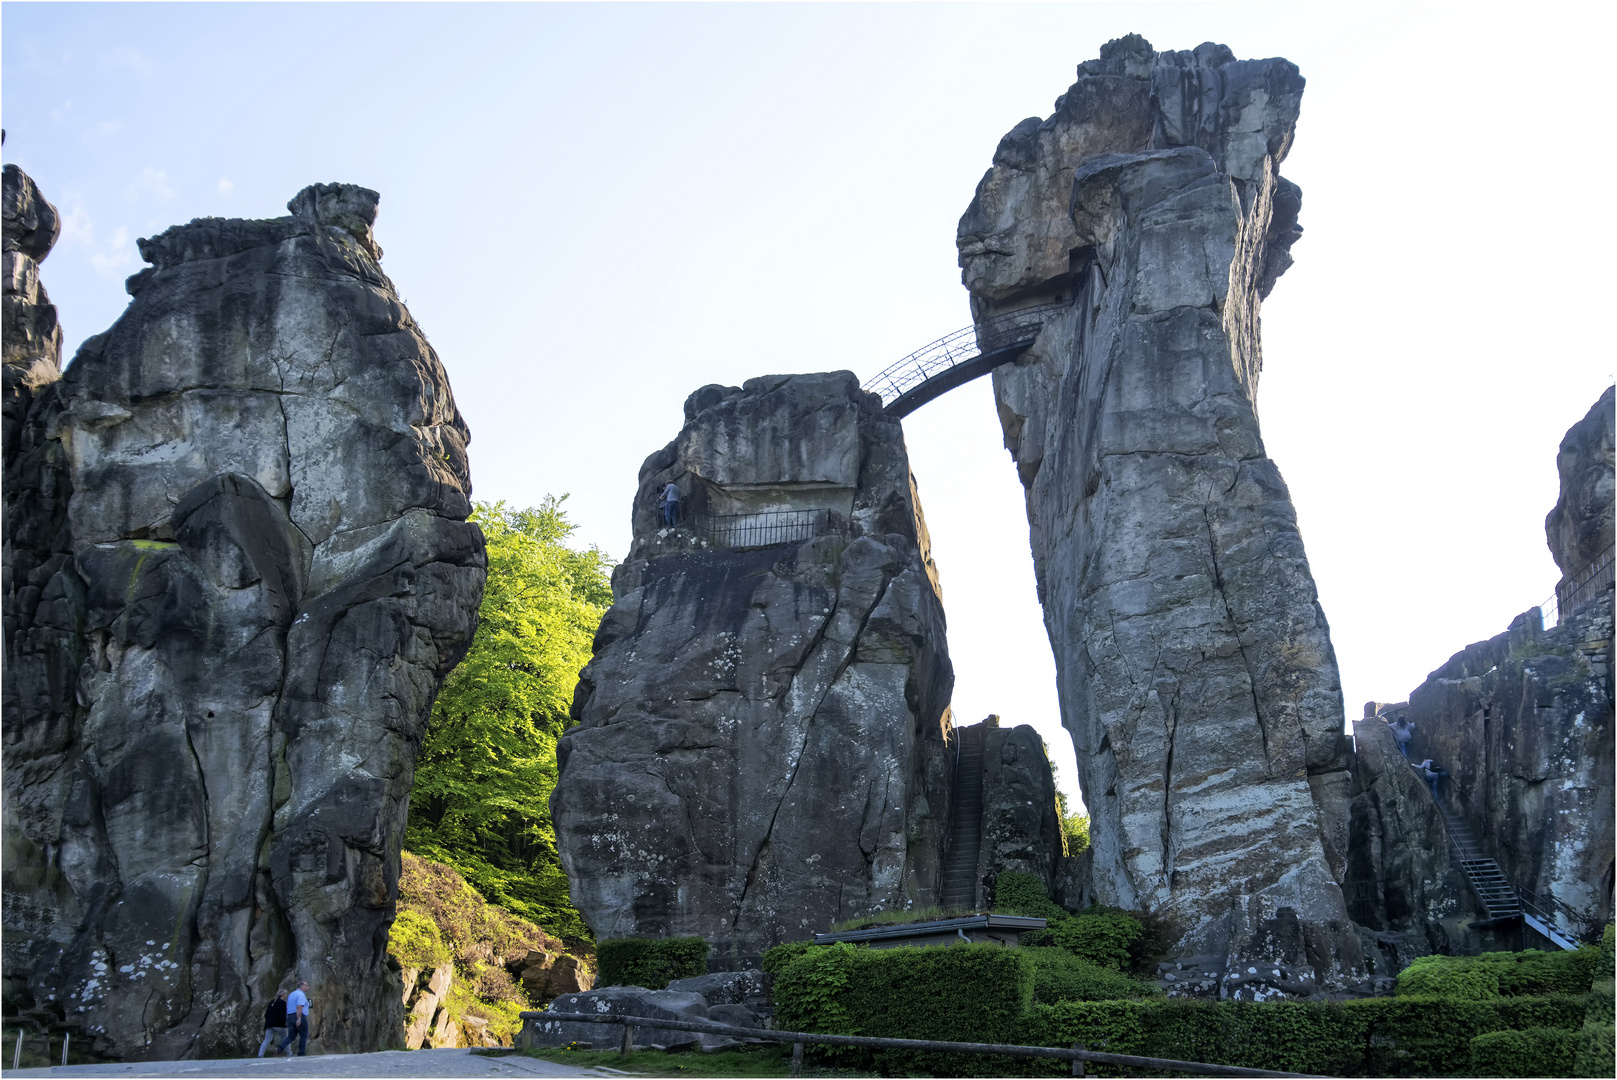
{"points": [[1195, 669]]}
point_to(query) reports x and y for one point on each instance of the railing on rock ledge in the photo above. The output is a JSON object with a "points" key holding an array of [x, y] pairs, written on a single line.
{"points": [[1579, 587], [765, 529]]}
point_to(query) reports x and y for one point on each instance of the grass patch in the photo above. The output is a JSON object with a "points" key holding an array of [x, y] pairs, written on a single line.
{"points": [[894, 918], [771, 1060]]}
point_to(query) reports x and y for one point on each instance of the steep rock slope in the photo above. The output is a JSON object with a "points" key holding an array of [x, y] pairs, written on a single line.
{"points": [[1523, 722], [242, 572], [759, 746], [1195, 668]]}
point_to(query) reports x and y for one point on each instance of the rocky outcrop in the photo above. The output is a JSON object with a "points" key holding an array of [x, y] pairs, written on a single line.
{"points": [[539, 1029], [1402, 887], [759, 741], [1195, 668], [1580, 528], [1021, 827], [237, 571], [1523, 722]]}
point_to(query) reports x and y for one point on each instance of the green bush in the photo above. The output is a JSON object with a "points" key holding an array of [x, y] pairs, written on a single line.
{"points": [[415, 942], [650, 962], [1511, 974], [1103, 936], [778, 957], [961, 993], [1016, 893], [1534, 1052], [1597, 1054], [1060, 976], [1440, 977]]}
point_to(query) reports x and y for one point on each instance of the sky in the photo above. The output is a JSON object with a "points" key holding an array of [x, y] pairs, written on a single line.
{"points": [[594, 209]]}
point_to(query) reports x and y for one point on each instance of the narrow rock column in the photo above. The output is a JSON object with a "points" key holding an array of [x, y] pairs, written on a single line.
{"points": [[1195, 669], [230, 636], [759, 740]]}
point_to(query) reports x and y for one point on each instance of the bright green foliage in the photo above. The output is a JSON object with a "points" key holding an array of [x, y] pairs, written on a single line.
{"points": [[442, 920], [488, 761], [650, 962], [1016, 893], [1058, 975], [1435, 976], [963, 993], [415, 942], [1074, 825], [1476, 978], [778, 957], [1534, 1052], [1102, 936]]}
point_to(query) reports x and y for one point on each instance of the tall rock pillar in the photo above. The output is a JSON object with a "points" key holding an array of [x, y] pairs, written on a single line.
{"points": [[237, 570], [1195, 669], [759, 741]]}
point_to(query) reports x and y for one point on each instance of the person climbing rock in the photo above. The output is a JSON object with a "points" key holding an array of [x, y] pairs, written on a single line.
{"points": [[1432, 772], [669, 501], [274, 1022], [1403, 731]]}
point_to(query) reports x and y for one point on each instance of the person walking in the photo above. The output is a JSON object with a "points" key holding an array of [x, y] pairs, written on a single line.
{"points": [[1430, 770], [274, 1022], [669, 501], [297, 1019], [1403, 731]]}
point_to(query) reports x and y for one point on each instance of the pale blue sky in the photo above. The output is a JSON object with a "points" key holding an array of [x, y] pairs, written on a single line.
{"points": [[595, 209]]}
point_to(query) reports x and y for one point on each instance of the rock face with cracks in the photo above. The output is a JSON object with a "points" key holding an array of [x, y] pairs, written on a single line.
{"points": [[237, 571], [759, 740], [1195, 668]]}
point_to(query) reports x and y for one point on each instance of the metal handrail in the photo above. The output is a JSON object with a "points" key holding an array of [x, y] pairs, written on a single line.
{"points": [[962, 346], [1548, 908], [1576, 588], [765, 528]]}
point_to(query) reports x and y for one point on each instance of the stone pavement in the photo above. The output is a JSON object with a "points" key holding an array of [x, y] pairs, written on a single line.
{"points": [[383, 1064]]}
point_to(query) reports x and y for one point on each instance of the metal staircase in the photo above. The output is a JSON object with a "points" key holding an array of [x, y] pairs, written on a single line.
{"points": [[1488, 881], [959, 889]]}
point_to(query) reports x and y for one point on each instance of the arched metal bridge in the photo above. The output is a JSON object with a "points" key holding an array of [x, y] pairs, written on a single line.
{"points": [[958, 358]]}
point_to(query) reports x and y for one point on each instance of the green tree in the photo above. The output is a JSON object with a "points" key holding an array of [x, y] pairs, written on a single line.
{"points": [[1074, 825], [488, 760]]}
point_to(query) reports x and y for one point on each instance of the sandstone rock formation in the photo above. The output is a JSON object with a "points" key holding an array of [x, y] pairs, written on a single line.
{"points": [[759, 740], [1523, 722], [237, 570], [1021, 826], [538, 1030], [1195, 669], [1403, 888]]}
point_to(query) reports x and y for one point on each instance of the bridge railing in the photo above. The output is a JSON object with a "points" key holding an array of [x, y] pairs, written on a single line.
{"points": [[967, 343]]}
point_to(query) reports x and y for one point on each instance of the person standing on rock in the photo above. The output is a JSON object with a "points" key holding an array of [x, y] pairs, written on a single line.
{"points": [[1433, 774], [669, 501], [1403, 731], [297, 1020], [274, 1022]]}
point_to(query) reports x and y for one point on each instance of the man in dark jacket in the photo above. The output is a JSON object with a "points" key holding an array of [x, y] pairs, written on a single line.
{"points": [[274, 1022]]}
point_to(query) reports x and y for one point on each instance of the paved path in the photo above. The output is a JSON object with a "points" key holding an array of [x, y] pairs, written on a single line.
{"points": [[383, 1064]]}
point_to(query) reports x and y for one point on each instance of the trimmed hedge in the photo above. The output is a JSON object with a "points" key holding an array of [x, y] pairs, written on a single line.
{"points": [[650, 962], [1106, 937], [1534, 1052], [1376, 1037], [1060, 976], [1597, 1047], [960, 993], [1518, 974]]}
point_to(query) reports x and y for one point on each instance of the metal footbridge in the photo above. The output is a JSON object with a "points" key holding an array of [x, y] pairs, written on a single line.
{"points": [[958, 358]]}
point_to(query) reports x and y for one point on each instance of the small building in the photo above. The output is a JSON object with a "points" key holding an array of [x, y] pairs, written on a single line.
{"points": [[999, 929]]}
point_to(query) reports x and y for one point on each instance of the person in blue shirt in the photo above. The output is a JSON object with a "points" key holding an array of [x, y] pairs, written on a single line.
{"points": [[669, 501], [297, 1019]]}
